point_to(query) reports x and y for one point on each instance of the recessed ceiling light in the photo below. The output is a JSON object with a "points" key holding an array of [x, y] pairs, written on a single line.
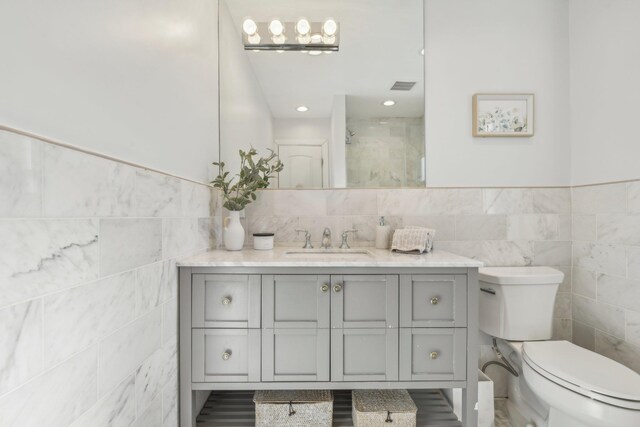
{"points": [[389, 103], [302, 109]]}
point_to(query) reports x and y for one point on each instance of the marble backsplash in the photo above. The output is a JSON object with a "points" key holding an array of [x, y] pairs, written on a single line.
{"points": [[500, 226], [88, 286]]}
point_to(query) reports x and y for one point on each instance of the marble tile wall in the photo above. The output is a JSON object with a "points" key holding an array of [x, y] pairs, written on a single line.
{"points": [[88, 286], [502, 227], [606, 270]]}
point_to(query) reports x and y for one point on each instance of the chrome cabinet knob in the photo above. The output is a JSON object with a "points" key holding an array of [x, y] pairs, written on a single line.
{"points": [[435, 301], [434, 355], [337, 287], [324, 287], [226, 301], [226, 355]]}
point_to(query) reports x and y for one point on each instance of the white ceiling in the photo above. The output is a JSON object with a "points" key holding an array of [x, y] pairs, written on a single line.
{"points": [[380, 43]]}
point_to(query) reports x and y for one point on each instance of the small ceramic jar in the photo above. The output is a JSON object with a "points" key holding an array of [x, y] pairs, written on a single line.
{"points": [[263, 241]]}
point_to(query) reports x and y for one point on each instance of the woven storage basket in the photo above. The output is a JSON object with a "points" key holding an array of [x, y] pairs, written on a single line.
{"points": [[375, 408], [289, 408]]}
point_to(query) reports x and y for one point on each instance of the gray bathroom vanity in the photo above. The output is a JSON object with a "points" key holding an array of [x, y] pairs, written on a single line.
{"points": [[340, 320]]}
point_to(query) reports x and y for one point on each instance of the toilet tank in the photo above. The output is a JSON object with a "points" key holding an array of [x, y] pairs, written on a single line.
{"points": [[516, 303]]}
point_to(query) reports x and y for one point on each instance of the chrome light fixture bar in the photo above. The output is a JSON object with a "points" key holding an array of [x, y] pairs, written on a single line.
{"points": [[302, 35]]}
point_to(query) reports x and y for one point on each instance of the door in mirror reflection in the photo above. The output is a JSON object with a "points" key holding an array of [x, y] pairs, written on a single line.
{"points": [[304, 166]]}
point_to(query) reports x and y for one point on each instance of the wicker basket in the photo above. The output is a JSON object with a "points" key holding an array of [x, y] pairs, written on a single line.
{"points": [[289, 408], [374, 408]]}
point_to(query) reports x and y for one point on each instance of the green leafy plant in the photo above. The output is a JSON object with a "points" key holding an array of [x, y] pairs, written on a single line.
{"points": [[254, 175]]}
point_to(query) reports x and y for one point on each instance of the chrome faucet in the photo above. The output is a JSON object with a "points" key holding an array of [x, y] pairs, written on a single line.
{"points": [[307, 238], [326, 239], [345, 234]]}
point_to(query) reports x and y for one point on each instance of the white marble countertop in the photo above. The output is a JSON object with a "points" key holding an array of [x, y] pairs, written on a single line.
{"points": [[279, 258]]}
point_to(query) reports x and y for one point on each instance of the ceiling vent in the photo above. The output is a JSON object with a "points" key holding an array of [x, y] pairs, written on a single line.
{"points": [[403, 85]]}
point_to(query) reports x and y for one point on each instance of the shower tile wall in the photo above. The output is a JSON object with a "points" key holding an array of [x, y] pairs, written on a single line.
{"points": [[385, 152], [606, 270], [88, 286]]}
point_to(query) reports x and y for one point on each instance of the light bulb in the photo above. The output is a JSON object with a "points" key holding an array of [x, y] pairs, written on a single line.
{"points": [[303, 27], [254, 38], [389, 103], [249, 27], [316, 39], [329, 27], [304, 39], [276, 27], [302, 109], [279, 39], [315, 52], [329, 39]]}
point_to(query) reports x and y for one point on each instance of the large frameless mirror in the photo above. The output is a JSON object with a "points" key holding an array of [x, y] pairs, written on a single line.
{"points": [[334, 87]]}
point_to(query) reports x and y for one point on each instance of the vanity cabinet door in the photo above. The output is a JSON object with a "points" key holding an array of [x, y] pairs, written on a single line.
{"points": [[428, 301], [225, 355], [433, 354], [295, 301], [225, 301], [364, 301], [295, 354], [364, 354]]}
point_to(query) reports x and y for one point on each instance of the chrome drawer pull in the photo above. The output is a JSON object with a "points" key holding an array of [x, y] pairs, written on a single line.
{"points": [[226, 355], [337, 287], [434, 355], [435, 301], [324, 288], [226, 301]]}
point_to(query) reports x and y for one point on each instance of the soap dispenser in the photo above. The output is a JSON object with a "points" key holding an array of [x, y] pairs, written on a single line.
{"points": [[383, 234]]}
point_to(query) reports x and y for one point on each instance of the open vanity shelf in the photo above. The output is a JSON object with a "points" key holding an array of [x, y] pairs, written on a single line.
{"points": [[236, 409]]}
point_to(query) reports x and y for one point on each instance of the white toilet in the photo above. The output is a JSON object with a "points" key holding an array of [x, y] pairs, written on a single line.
{"points": [[560, 384]]}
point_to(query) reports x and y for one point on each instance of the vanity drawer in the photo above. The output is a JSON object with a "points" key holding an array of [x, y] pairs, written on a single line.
{"points": [[226, 355], [433, 354], [364, 354], [428, 301], [225, 301], [295, 354], [348, 294]]}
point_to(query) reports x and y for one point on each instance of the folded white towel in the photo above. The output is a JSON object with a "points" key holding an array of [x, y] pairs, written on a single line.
{"points": [[413, 239]]}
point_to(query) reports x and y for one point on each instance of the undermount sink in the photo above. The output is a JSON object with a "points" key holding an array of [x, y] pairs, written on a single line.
{"points": [[328, 252]]}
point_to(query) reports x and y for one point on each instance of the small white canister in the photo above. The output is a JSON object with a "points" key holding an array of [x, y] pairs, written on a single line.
{"points": [[263, 241]]}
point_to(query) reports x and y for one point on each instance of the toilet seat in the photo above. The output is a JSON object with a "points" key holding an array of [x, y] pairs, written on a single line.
{"points": [[584, 372]]}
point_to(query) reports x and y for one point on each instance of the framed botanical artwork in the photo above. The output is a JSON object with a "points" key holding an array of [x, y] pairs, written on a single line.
{"points": [[503, 114]]}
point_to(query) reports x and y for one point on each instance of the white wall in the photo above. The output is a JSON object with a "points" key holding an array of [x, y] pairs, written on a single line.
{"points": [[496, 46], [136, 80], [605, 90], [302, 129], [245, 117]]}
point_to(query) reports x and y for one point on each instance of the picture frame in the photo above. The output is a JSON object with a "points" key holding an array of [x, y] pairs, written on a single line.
{"points": [[503, 115]]}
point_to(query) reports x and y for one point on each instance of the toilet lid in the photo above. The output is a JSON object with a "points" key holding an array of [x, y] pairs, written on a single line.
{"points": [[583, 368], [521, 275]]}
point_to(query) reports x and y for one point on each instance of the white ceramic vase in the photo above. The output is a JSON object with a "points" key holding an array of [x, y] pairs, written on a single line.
{"points": [[233, 232]]}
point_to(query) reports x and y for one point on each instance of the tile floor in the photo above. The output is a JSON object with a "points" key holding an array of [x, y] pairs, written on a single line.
{"points": [[501, 413]]}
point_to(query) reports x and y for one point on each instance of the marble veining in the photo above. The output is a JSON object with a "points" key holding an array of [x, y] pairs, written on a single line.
{"points": [[157, 195], [153, 374], [20, 344], [42, 256], [155, 284], [79, 317], [117, 408], [278, 258], [106, 187], [21, 177]]}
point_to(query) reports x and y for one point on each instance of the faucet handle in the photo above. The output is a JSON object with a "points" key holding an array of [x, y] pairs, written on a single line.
{"points": [[307, 238], [345, 235]]}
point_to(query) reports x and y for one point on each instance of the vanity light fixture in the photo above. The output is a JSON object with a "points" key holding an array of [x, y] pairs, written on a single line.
{"points": [[301, 35], [302, 109], [389, 103]]}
